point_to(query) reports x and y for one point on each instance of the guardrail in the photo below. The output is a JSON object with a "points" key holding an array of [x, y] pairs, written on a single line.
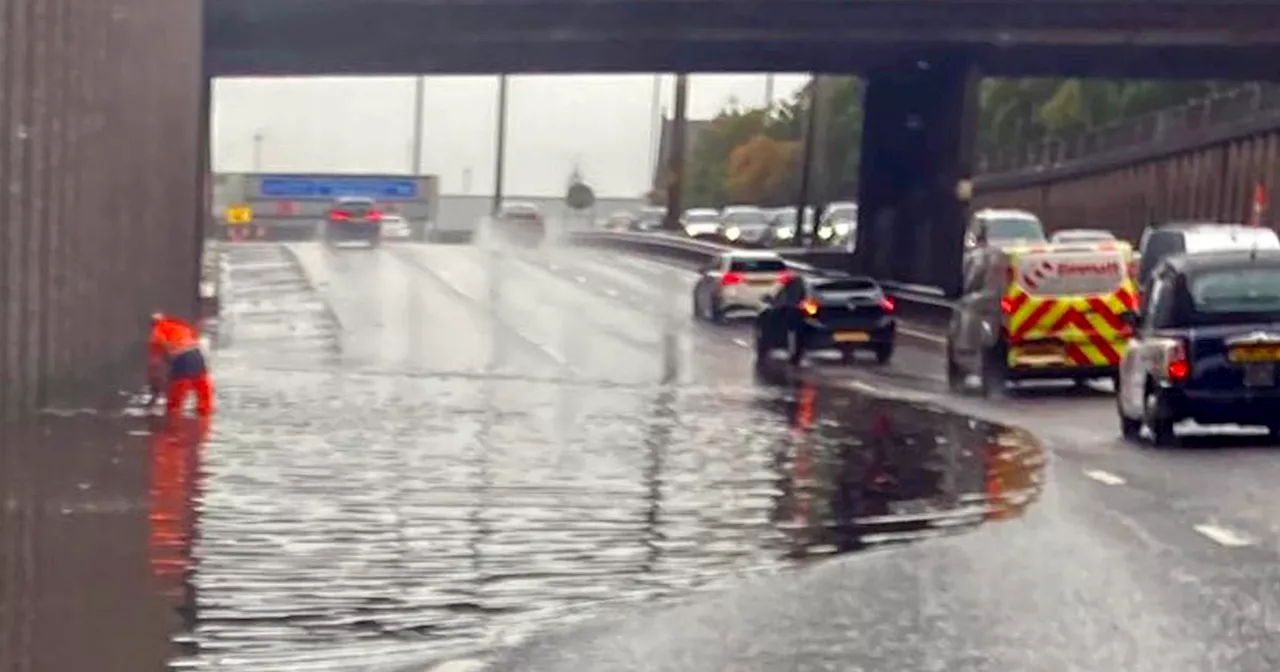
{"points": [[928, 305]]}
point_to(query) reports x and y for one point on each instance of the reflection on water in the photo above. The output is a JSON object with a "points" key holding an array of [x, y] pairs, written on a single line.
{"points": [[387, 548], [859, 470], [77, 511], [335, 519]]}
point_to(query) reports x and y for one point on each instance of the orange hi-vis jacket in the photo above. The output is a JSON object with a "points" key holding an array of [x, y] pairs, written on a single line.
{"points": [[171, 338]]}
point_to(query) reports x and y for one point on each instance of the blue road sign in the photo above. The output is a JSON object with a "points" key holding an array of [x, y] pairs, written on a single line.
{"points": [[382, 188]]}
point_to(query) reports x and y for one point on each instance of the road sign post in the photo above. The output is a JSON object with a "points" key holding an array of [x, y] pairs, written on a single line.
{"points": [[580, 196]]}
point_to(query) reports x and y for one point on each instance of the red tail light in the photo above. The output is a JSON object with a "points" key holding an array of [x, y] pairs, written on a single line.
{"points": [[339, 215], [731, 278], [374, 216], [887, 304], [784, 276], [1177, 368], [809, 307]]}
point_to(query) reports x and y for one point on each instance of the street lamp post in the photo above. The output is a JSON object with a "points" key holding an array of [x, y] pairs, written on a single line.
{"points": [[501, 151]]}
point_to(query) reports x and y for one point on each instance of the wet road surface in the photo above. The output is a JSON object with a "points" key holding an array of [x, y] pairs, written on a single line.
{"points": [[431, 453]]}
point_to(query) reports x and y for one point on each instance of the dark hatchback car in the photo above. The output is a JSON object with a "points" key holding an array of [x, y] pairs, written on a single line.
{"points": [[1206, 345], [817, 313], [353, 218]]}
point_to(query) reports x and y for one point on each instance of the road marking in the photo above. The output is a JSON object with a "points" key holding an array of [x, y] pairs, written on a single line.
{"points": [[1104, 477], [741, 342], [459, 665], [579, 278], [611, 292], [859, 385], [1223, 536], [922, 335]]}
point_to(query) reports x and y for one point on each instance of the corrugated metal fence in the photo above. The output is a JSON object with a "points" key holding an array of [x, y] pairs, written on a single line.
{"points": [[99, 138]]}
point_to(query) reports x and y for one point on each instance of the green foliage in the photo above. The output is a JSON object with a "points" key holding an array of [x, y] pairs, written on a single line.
{"points": [[1013, 112]]}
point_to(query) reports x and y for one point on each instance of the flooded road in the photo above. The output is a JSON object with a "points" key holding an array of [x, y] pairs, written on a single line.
{"points": [[423, 451]]}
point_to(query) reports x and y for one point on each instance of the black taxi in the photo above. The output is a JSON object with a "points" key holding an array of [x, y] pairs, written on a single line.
{"points": [[1206, 345]]}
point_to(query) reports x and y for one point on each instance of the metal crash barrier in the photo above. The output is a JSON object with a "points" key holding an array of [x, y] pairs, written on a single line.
{"points": [[927, 305]]}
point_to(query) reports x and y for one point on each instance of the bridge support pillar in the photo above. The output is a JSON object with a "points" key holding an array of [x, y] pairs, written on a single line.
{"points": [[918, 129]]}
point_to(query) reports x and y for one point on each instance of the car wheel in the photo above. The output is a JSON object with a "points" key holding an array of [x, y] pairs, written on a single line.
{"points": [[763, 347], [955, 375], [884, 353], [992, 375], [717, 313], [795, 348], [1157, 420], [697, 307]]}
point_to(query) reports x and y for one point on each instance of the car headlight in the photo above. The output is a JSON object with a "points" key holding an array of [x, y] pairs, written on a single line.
{"points": [[732, 233], [825, 232], [784, 232], [842, 228]]}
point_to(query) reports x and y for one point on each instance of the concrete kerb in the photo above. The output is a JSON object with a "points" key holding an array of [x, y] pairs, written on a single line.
{"points": [[291, 253]]}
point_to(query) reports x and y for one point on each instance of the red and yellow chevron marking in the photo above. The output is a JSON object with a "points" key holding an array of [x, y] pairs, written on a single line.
{"points": [[1088, 327]]}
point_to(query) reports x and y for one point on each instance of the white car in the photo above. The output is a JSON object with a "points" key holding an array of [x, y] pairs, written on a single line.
{"points": [[737, 281], [395, 227]]}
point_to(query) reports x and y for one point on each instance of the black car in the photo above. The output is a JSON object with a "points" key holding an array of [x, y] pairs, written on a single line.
{"points": [[815, 313], [1206, 345], [353, 218]]}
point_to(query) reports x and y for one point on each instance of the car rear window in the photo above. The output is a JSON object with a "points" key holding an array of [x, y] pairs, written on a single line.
{"points": [[354, 207], [1014, 228], [1071, 273], [757, 265], [843, 290], [1245, 290], [521, 214]]}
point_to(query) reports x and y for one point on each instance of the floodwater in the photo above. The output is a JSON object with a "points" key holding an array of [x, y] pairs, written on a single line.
{"points": [[408, 462]]}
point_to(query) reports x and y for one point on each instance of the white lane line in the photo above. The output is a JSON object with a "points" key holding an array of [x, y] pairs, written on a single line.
{"points": [[459, 665], [741, 342], [579, 278], [1104, 477], [922, 335], [859, 385], [1223, 536], [610, 291]]}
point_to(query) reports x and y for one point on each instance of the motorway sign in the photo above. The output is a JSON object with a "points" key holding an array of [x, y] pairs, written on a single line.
{"points": [[580, 196], [239, 214], [304, 187]]}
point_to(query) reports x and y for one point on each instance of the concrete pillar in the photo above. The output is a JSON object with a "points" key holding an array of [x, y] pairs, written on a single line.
{"points": [[917, 147]]}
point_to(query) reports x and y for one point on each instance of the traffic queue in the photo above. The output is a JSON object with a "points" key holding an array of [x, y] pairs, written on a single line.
{"points": [[1185, 327]]}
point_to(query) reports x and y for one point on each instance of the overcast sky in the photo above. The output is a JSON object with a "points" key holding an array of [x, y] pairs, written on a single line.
{"points": [[602, 122]]}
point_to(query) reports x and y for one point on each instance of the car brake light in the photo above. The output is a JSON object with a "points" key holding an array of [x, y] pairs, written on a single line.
{"points": [[339, 215], [1177, 368], [784, 276], [887, 304], [374, 215], [730, 278], [809, 307]]}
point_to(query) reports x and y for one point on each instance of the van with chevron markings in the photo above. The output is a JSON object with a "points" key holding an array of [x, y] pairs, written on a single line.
{"points": [[1041, 311]]}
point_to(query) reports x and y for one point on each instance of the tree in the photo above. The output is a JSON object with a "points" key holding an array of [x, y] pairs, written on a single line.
{"points": [[1013, 113], [761, 170]]}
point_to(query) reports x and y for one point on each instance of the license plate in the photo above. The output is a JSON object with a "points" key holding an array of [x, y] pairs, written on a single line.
{"points": [[760, 283], [852, 337], [1260, 375], [1041, 349], [913, 507], [1254, 353]]}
